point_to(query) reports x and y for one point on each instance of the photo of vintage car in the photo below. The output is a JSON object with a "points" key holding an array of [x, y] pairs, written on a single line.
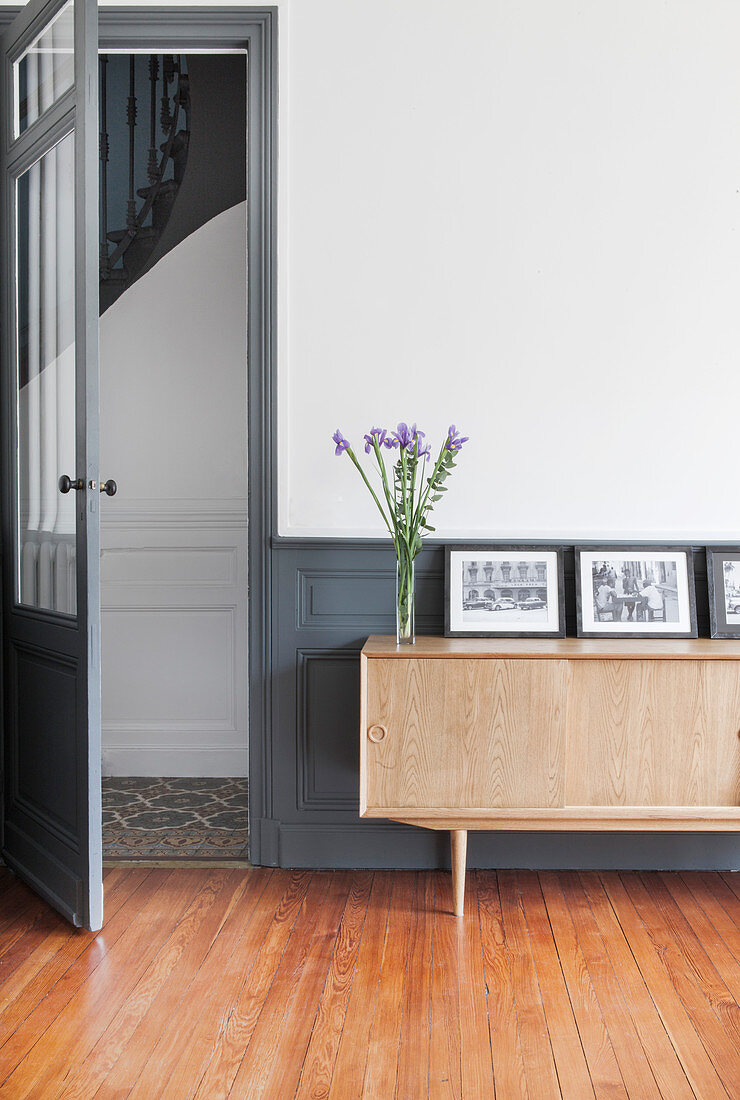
{"points": [[532, 603], [504, 603]]}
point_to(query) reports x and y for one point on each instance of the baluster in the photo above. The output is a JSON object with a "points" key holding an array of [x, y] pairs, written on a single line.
{"points": [[167, 74], [183, 92], [153, 166], [104, 156], [131, 117]]}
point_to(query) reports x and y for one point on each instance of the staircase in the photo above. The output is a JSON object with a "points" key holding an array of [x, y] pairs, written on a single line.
{"points": [[144, 191]]}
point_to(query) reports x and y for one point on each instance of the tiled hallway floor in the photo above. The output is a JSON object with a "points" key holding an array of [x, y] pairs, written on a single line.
{"points": [[145, 818]]}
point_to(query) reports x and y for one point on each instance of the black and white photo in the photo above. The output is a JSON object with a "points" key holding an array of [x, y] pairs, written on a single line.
{"points": [[635, 591], [723, 575], [512, 591]]}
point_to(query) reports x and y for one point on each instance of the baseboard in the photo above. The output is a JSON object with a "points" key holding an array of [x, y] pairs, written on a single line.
{"points": [[388, 846], [156, 761]]}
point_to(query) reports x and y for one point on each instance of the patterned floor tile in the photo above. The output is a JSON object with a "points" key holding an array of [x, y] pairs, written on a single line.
{"points": [[147, 817]]}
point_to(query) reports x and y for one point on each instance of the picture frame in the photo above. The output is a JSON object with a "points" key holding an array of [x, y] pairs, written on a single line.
{"points": [[504, 591], [724, 591], [635, 591]]}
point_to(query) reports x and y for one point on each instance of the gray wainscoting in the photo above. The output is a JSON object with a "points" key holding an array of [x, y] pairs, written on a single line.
{"points": [[327, 597]]}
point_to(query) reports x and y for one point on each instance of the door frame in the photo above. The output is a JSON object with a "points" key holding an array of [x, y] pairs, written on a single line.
{"points": [[165, 29]]}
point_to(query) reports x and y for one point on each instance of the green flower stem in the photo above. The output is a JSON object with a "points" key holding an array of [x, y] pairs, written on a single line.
{"points": [[405, 605], [404, 487], [352, 455], [414, 470], [384, 476], [430, 484]]}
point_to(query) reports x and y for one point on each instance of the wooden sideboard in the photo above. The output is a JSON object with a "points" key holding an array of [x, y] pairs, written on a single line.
{"points": [[565, 733]]}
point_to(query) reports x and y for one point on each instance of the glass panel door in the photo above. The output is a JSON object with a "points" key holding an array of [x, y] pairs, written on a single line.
{"points": [[49, 490], [45, 311], [45, 70]]}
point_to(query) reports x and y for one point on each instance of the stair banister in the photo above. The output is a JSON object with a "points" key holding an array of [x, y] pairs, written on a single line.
{"points": [[152, 167], [104, 156], [131, 119]]}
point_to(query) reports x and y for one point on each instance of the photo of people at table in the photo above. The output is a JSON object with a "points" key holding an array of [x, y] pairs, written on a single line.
{"points": [[635, 591], [731, 571]]}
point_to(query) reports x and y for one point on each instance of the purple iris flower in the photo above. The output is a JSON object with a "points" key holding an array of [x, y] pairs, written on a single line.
{"points": [[424, 452], [379, 433], [405, 436], [341, 442], [454, 439]]}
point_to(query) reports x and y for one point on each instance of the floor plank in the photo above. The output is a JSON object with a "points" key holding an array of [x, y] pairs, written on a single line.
{"points": [[616, 1011], [41, 992], [503, 1024], [602, 1063], [301, 1004], [169, 1025], [539, 1064], [720, 905], [216, 982], [194, 1045], [445, 1069], [476, 1055], [264, 1048], [413, 1059], [713, 1011], [134, 1029], [349, 1068], [697, 1064], [318, 1065], [63, 1041], [664, 1061], [236, 1031], [382, 1052], [562, 1028], [732, 879], [676, 894], [15, 898]]}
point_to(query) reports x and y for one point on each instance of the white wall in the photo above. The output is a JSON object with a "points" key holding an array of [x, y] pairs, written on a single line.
{"points": [[173, 407], [513, 203], [522, 216]]}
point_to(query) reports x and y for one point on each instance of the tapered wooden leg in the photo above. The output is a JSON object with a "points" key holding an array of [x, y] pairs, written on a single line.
{"points": [[459, 846]]}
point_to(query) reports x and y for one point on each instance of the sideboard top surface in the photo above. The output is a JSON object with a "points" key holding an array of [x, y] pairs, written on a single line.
{"points": [[617, 649]]}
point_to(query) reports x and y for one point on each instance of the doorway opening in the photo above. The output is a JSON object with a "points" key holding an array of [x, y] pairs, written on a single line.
{"points": [[173, 425]]}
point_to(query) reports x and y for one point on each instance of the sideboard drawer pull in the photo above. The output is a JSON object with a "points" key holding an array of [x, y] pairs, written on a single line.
{"points": [[377, 733]]}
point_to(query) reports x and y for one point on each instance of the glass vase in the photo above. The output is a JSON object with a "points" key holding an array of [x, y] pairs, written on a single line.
{"points": [[405, 610]]}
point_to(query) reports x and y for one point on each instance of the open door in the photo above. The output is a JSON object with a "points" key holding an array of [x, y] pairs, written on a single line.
{"points": [[50, 489]]}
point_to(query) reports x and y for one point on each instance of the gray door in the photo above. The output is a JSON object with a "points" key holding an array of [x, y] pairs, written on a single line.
{"points": [[50, 492]]}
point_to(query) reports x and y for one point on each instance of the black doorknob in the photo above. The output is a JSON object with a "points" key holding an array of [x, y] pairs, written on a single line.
{"points": [[109, 487], [66, 483]]}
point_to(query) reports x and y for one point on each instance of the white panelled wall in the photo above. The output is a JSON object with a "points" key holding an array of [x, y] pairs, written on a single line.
{"points": [[174, 538]]}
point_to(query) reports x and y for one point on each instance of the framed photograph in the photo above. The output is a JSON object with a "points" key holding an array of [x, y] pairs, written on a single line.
{"points": [[723, 575], [635, 592], [504, 591]]}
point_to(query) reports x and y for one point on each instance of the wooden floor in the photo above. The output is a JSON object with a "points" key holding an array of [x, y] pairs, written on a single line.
{"points": [[249, 983]]}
